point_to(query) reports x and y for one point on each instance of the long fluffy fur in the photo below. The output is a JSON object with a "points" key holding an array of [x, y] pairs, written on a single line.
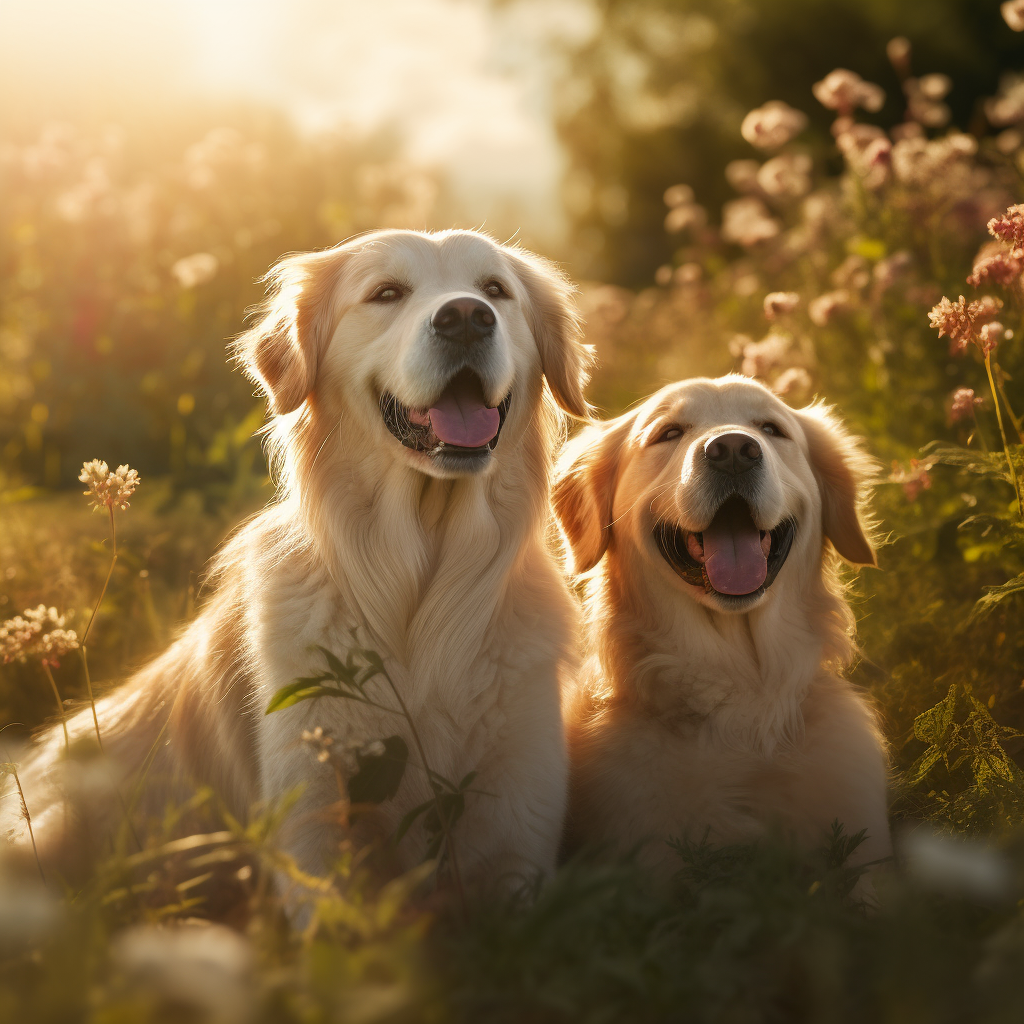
{"points": [[687, 720], [450, 580]]}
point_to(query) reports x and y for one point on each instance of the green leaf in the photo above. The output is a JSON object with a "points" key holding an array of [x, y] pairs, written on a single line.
{"points": [[410, 819], [300, 690], [340, 671], [379, 775], [995, 595]]}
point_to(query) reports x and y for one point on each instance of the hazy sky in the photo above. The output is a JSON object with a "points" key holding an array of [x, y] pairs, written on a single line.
{"points": [[467, 82]]}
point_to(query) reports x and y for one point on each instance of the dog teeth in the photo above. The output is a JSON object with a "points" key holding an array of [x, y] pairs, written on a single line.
{"points": [[766, 542], [695, 548]]}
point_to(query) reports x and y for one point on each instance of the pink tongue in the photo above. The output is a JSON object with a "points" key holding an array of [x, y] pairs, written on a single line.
{"points": [[733, 558], [461, 416]]}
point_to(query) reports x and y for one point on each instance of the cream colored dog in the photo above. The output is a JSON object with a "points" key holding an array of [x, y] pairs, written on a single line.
{"points": [[710, 520], [413, 434]]}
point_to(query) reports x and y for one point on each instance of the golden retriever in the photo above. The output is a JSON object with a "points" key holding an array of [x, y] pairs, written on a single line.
{"points": [[710, 522], [412, 434]]}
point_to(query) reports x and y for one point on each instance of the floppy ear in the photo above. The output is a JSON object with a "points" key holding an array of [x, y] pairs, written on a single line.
{"points": [[584, 489], [282, 352], [842, 469], [556, 326]]}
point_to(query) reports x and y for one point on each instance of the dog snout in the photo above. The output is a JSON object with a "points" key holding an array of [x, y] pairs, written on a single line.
{"points": [[732, 453], [464, 319]]}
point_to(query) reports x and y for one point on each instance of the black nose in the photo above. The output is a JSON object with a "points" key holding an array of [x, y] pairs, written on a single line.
{"points": [[732, 453], [466, 320]]}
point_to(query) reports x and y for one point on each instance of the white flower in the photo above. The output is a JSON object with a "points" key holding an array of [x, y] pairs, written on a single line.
{"points": [[844, 91], [786, 177], [108, 489], [746, 221], [192, 271], [1013, 14], [778, 304], [773, 125]]}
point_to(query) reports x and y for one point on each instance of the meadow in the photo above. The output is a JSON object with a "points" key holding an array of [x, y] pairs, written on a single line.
{"points": [[882, 270]]}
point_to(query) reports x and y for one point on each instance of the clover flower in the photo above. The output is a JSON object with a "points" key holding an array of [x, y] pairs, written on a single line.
{"points": [[913, 479], [844, 91], [996, 268], [786, 177], [962, 322], [963, 405], [1010, 228], [1007, 106], [678, 195], [762, 357], [687, 215], [990, 335], [822, 309], [1013, 14], [106, 489], [792, 382], [742, 175], [778, 304], [773, 125], [898, 52], [747, 221], [37, 632]]}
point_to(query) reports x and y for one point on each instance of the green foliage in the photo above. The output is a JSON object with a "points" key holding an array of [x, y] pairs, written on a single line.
{"points": [[378, 776]]}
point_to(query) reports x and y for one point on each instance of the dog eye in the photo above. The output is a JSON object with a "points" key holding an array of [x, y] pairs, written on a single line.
{"points": [[388, 293], [495, 290], [772, 429], [672, 433]]}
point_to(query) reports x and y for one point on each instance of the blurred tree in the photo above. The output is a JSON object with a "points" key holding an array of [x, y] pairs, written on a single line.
{"points": [[657, 94]]}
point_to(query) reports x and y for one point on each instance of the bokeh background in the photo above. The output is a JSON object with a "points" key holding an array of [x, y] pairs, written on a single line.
{"points": [[156, 158]]}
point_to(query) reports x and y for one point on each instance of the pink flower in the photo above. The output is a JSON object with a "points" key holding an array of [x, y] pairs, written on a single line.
{"points": [[1013, 14], [822, 309], [1010, 228], [963, 405], [773, 125], [778, 304], [995, 268], [844, 91], [786, 177], [914, 479], [747, 222], [961, 320], [990, 335]]}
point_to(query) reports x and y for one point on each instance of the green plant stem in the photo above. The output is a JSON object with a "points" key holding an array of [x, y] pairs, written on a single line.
{"points": [[27, 816], [1002, 434], [1017, 425], [92, 619], [60, 706], [456, 874]]}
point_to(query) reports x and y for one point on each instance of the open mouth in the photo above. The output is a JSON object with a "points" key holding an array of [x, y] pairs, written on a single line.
{"points": [[458, 425], [731, 557]]}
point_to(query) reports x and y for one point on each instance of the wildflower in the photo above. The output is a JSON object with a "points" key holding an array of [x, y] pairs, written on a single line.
{"points": [[773, 125], [343, 756], [192, 271], [678, 195], [787, 176], [822, 309], [844, 91], [108, 489], [778, 304], [852, 273], [856, 138], [663, 275], [794, 381], [37, 632], [963, 405], [1010, 228], [898, 52], [320, 742], [746, 221], [689, 215], [742, 175], [914, 479], [1013, 14], [960, 320], [1009, 141], [997, 267], [689, 273], [889, 270], [990, 335], [760, 358], [1007, 106]]}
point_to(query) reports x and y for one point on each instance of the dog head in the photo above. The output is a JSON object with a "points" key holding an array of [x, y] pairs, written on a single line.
{"points": [[435, 344], [720, 486]]}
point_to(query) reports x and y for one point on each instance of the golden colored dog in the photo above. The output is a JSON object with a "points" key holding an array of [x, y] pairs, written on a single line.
{"points": [[710, 522], [413, 434]]}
